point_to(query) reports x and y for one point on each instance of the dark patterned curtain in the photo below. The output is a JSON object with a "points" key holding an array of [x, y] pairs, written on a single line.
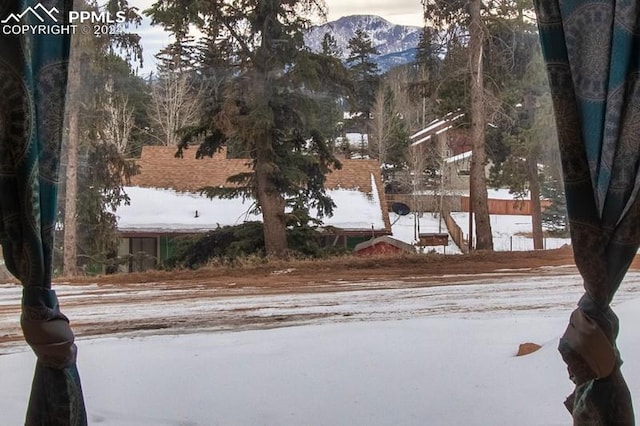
{"points": [[33, 79], [592, 52]]}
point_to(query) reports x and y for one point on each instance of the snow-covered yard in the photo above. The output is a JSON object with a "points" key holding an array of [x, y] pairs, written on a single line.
{"points": [[397, 356], [382, 355], [510, 232]]}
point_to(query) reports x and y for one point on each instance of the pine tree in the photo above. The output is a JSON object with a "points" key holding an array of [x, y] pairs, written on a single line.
{"points": [[330, 46], [428, 72], [364, 72], [95, 168], [265, 104], [469, 19], [554, 216], [526, 131]]}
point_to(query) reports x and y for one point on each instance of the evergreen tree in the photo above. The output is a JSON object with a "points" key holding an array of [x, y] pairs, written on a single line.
{"points": [[478, 199], [103, 166], [429, 76], [554, 217], [330, 46], [364, 72], [527, 130], [451, 91], [266, 103], [95, 166], [468, 21], [331, 105]]}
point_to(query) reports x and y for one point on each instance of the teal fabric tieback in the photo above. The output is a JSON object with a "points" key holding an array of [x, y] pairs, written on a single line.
{"points": [[592, 51], [33, 81]]}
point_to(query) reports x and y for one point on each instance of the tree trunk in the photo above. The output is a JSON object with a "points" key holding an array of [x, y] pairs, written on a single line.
{"points": [[70, 262], [271, 202], [273, 217], [484, 240], [536, 208]]}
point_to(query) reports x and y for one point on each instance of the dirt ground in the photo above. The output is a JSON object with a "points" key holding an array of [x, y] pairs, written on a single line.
{"points": [[297, 275], [233, 298]]}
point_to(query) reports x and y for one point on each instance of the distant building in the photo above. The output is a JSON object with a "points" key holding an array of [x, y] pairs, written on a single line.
{"points": [[384, 245], [457, 170], [447, 152], [165, 203]]}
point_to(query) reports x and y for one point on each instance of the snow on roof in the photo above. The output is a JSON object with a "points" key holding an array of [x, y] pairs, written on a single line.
{"points": [[356, 210], [436, 127], [458, 157], [165, 194], [166, 210], [156, 210]]}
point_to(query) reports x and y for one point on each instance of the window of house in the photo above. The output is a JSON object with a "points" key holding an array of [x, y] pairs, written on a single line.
{"points": [[144, 251]]}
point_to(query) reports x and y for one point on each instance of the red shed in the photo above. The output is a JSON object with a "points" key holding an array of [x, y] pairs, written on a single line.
{"points": [[383, 245]]}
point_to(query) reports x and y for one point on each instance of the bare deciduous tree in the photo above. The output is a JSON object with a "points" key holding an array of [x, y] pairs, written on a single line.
{"points": [[175, 104], [380, 131], [118, 119]]}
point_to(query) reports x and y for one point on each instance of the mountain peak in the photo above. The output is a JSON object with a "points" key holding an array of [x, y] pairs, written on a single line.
{"points": [[389, 39], [362, 18]]}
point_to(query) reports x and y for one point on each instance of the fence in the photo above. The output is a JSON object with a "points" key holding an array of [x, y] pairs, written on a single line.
{"points": [[514, 240], [460, 203], [456, 233], [510, 207], [425, 202], [521, 243]]}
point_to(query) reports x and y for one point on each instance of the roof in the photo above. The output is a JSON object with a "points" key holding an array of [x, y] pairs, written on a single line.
{"points": [[165, 194], [160, 169], [459, 157], [388, 240], [436, 127]]}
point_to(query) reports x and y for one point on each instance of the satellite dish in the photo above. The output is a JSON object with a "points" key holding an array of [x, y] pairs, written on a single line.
{"points": [[401, 209]]}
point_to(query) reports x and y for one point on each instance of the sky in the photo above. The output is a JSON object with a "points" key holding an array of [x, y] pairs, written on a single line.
{"points": [[404, 12]]}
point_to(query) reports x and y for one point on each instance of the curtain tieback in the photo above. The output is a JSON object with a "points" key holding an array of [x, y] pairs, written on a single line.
{"points": [[584, 337], [46, 329]]}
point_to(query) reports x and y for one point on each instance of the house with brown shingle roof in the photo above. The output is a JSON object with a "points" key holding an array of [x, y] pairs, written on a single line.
{"points": [[165, 202]]}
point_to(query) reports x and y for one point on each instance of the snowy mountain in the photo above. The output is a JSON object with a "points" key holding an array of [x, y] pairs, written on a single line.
{"points": [[395, 43]]}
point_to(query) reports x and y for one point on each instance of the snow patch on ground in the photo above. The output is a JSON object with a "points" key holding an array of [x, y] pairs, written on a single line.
{"points": [[427, 356], [509, 231]]}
